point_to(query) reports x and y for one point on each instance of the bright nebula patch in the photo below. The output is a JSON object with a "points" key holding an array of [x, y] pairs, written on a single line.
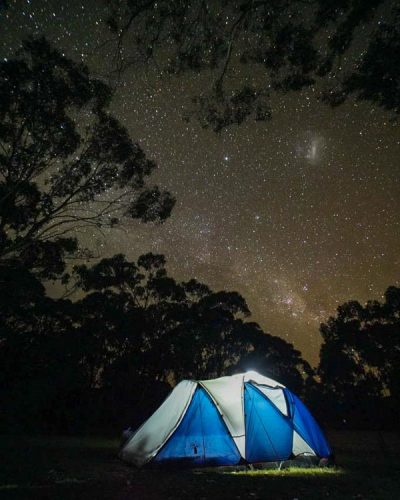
{"points": [[310, 147]]}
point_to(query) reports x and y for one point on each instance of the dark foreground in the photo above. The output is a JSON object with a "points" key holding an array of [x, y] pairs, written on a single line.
{"points": [[86, 468]]}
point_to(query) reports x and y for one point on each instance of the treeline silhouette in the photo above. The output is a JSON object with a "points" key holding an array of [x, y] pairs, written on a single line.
{"points": [[106, 359]]}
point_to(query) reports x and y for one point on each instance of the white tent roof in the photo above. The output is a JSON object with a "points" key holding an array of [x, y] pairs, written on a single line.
{"points": [[228, 396]]}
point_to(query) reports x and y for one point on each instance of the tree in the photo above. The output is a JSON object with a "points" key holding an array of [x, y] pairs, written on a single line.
{"points": [[291, 45], [360, 360], [179, 328], [65, 162]]}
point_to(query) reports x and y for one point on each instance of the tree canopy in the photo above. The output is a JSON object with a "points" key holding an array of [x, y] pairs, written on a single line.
{"points": [[360, 360], [66, 164], [341, 48]]}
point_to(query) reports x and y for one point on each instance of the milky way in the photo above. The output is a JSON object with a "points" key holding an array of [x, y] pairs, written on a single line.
{"points": [[298, 214]]}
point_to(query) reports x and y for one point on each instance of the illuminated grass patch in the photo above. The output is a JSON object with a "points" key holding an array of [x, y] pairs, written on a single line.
{"points": [[292, 471]]}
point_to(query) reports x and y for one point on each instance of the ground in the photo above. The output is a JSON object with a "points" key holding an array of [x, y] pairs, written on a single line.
{"points": [[87, 468]]}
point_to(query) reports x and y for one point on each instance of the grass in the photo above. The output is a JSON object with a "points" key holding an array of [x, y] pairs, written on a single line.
{"points": [[87, 468], [293, 472]]}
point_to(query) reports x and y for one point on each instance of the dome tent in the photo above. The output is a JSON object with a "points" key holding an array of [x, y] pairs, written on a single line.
{"points": [[244, 418]]}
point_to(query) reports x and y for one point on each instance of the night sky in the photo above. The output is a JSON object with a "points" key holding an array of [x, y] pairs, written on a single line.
{"points": [[298, 214]]}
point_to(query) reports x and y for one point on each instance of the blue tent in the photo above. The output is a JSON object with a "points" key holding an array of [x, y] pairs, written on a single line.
{"points": [[245, 418]]}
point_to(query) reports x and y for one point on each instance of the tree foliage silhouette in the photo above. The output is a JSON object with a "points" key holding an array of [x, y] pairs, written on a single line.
{"points": [[65, 162], [360, 360], [187, 330], [292, 44]]}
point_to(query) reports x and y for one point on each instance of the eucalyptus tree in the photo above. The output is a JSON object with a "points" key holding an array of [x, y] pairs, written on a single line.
{"points": [[251, 48], [360, 359], [66, 163]]}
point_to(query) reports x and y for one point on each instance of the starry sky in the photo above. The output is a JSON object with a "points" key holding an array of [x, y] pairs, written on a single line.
{"points": [[298, 214]]}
